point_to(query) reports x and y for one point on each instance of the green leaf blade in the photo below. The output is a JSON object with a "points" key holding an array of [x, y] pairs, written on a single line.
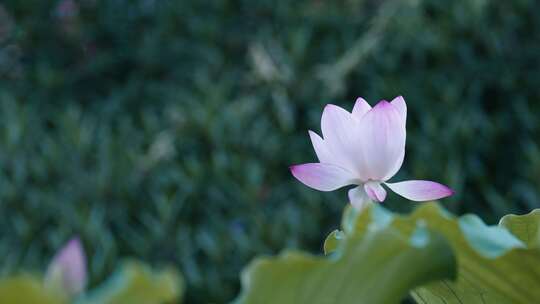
{"points": [[378, 267], [28, 289], [136, 283], [525, 227]]}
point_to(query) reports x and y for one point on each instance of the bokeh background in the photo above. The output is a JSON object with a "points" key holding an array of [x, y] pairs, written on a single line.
{"points": [[163, 130]]}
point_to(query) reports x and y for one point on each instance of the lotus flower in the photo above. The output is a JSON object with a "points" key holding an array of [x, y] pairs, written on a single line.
{"points": [[364, 148], [67, 270]]}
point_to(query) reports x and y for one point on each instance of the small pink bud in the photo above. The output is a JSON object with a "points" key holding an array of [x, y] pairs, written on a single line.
{"points": [[67, 269]]}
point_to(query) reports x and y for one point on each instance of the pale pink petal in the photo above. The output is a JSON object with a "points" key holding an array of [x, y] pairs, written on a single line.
{"points": [[420, 190], [320, 148], [338, 129], [361, 107], [69, 267], [375, 191], [401, 106], [381, 138], [323, 177], [396, 167], [358, 198]]}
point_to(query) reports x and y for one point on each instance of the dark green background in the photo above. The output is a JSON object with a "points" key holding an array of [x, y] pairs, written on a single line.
{"points": [[164, 129]]}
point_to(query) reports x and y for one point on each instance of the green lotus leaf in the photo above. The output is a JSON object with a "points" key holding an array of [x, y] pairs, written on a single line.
{"points": [[495, 264], [332, 241], [380, 266], [525, 227], [136, 283], [25, 289], [354, 222]]}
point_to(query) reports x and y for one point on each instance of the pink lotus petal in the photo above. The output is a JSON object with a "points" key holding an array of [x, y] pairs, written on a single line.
{"points": [[420, 190], [358, 198], [322, 177], [360, 108], [339, 133], [320, 147], [69, 266], [375, 191], [401, 106], [381, 135], [396, 167]]}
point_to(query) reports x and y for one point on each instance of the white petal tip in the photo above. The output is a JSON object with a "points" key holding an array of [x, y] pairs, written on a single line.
{"points": [[361, 104], [329, 106], [361, 107]]}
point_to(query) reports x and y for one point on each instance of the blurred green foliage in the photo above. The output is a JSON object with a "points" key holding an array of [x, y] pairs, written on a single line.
{"points": [[164, 129], [136, 283], [133, 282]]}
